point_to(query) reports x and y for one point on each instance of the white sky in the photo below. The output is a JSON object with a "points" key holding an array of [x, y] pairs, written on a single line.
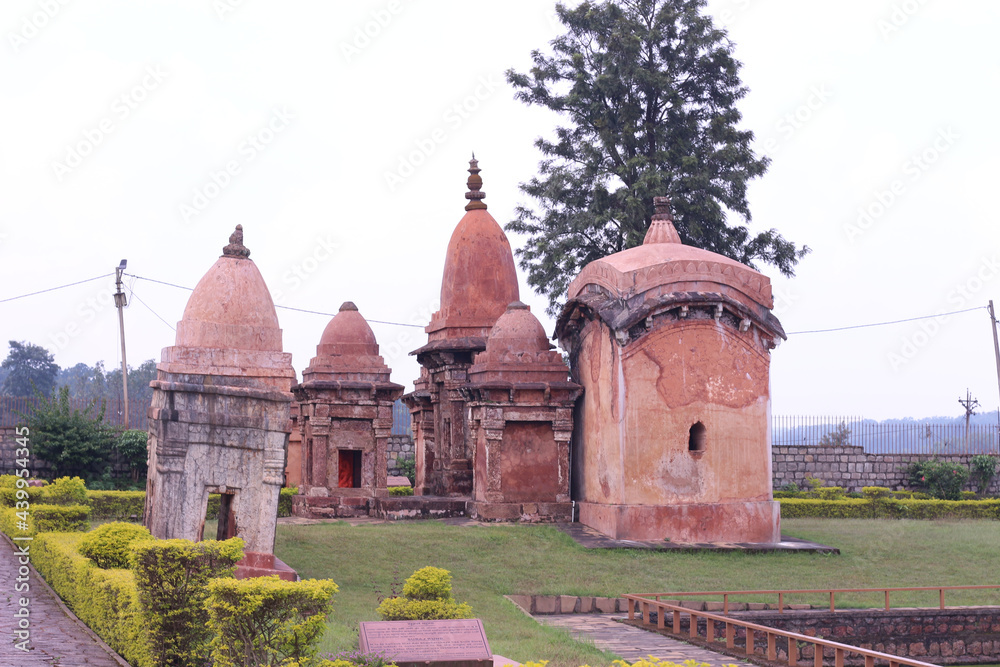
{"points": [[855, 101]]}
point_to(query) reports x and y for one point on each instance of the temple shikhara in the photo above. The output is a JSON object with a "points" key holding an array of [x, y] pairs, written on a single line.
{"points": [[656, 428]]}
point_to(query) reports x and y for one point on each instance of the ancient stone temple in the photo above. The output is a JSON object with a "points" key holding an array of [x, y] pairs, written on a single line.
{"points": [[345, 401], [479, 281], [520, 422], [220, 410], [672, 346]]}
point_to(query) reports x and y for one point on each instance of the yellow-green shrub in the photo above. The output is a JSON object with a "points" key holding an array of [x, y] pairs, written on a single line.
{"points": [[400, 490], [267, 621], [285, 500], [117, 505], [12, 492], [65, 491], [830, 492], [889, 508], [105, 600], [44, 519], [403, 609], [110, 545], [172, 578], [426, 595]]}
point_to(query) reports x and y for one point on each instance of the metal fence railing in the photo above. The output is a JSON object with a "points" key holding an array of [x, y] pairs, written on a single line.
{"points": [[14, 408], [886, 437]]}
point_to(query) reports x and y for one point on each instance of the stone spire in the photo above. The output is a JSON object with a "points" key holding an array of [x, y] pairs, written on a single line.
{"points": [[236, 247], [475, 195], [661, 230]]}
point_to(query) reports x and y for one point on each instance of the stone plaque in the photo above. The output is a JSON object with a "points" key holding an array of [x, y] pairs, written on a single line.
{"points": [[455, 643]]}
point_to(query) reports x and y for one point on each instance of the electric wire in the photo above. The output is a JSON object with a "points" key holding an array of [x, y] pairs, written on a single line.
{"points": [[300, 310], [52, 289], [880, 324], [419, 326]]}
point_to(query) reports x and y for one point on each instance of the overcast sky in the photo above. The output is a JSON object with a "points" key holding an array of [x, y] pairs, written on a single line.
{"points": [[338, 134]]}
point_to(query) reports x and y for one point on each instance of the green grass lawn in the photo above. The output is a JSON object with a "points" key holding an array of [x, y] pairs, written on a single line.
{"points": [[488, 562]]}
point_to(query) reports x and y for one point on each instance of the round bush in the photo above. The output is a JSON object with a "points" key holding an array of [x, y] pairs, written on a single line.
{"points": [[109, 545], [66, 491], [428, 583]]}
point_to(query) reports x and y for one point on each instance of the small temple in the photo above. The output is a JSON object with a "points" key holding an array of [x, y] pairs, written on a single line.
{"points": [[672, 346], [219, 417], [345, 415]]}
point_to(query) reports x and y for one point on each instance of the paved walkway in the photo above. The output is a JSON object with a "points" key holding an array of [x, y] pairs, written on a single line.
{"points": [[57, 636], [631, 643]]}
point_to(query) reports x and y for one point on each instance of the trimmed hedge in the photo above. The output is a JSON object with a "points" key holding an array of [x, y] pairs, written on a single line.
{"points": [[117, 505], [267, 621], [110, 545], [426, 596], [889, 508], [106, 600], [172, 578], [400, 490], [44, 519], [130, 505]]}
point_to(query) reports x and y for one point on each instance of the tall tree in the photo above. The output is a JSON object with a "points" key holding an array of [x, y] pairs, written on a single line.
{"points": [[649, 91], [30, 368]]}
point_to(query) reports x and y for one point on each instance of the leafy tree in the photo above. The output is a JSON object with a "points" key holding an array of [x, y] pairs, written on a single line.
{"points": [[73, 442], [84, 382], [649, 89], [30, 369]]}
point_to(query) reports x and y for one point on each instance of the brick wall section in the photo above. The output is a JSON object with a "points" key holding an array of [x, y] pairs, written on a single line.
{"points": [[850, 467], [966, 635], [400, 447]]}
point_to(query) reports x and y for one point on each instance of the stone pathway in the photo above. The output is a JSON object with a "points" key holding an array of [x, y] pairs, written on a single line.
{"points": [[57, 636], [631, 643]]}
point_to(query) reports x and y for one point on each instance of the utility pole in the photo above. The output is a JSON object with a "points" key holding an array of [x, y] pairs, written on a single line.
{"points": [[120, 305], [996, 352], [970, 404]]}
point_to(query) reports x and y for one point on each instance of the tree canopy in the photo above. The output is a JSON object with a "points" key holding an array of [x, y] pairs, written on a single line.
{"points": [[648, 89], [29, 369]]}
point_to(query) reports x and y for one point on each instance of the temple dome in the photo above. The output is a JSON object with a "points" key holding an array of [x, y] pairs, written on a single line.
{"points": [[231, 307], [518, 350], [347, 351], [516, 332], [479, 278], [663, 264], [347, 334]]}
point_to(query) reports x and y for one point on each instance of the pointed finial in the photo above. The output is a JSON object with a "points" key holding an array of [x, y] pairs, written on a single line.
{"points": [[347, 305], [661, 230], [475, 195], [236, 247]]}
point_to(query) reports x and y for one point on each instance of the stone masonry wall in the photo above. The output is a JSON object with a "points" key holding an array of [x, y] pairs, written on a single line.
{"points": [[400, 448], [850, 467]]}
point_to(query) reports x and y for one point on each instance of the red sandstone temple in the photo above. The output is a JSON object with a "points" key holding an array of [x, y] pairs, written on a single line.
{"points": [[659, 433], [672, 346]]}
